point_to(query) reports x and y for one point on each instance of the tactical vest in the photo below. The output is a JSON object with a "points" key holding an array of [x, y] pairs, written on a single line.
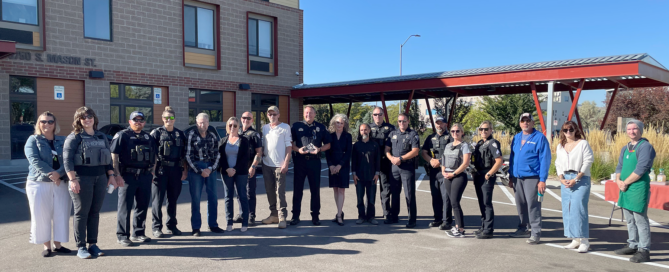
{"points": [[92, 151], [452, 158], [438, 145], [483, 158], [169, 149], [141, 153]]}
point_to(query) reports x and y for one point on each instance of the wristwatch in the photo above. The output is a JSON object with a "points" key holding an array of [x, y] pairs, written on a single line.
{"points": [[112, 175]]}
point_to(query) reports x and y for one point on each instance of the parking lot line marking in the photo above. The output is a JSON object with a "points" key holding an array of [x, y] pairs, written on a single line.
{"points": [[6, 179], [20, 182], [506, 192], [651, 221], [17, 174], [13, 187], [419, 180], [554, 194], [613, 256], [324, 169]]}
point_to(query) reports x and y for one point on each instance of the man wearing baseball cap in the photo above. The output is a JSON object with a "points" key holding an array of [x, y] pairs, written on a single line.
{"points": [[432, 150], [528, 170]]}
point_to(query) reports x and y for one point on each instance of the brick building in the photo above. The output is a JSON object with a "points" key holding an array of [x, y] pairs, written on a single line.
{"points": [[223, 57]]}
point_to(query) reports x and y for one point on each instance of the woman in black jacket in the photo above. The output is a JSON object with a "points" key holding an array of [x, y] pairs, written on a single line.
{"points": [[234, 171]]}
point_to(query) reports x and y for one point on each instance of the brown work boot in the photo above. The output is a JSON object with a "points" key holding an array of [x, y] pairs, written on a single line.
{"points": [[282, 223], [271, 220]]}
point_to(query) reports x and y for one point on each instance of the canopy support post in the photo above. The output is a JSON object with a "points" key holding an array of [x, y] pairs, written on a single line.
{"points": [[608, 106], [383, 103], [406, 110], [538, 106], [429, 111]]}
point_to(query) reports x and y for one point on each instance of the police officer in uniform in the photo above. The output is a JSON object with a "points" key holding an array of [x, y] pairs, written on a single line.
{"points": [[432, 150], [170, 172], [255, 154], [310, 138], [487, 159], [134, 155], [402, 149], [389, 195]]}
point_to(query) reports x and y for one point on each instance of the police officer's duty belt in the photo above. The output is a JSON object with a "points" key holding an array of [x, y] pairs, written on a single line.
{"points": [[135, 171], [168, 163], [311, 157]]}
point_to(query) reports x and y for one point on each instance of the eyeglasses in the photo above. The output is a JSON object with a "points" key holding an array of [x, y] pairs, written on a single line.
{"points": [[247, 118], [455, 131], [168, 117], [45, 121], [139, 120], [272, 114], [378, 114], [402, 121], [568, 130], [89, 116], [232, 126], [484, 129]]}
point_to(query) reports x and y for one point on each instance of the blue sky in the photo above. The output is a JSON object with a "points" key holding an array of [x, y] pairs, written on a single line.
{"points": [[348, 40]]}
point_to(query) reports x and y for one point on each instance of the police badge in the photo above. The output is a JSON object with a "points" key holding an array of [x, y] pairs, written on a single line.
{"points": [[318, 129], [146, 136]]}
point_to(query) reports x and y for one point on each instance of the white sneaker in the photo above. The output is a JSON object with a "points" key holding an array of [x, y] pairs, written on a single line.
{"points": [[585, 245], [574, 244], [229, 228], [244, 229], [454, 232]]}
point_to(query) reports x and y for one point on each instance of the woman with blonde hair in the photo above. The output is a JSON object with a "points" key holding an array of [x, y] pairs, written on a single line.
{"points": [[88, 163], [454, 163], [234, 171], [46, 186], [339, 161]]}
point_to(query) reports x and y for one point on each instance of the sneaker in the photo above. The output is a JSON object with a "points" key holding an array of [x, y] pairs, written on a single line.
{"points": [[520, 233], [95, 251], [157, 234], [373, 222], [282, 223], [627, 250], [360, 221], [216, 230], [641, 256], [62, 250], [238, 219], [445, 226], [533, 240], [125, 242], [140, 239], [196, 233], [244, 229], [229, 228], [83, 253], [271, 220], [173, 231], [455, 233], [294, 221], [574, 244], [484, 235], [435, 224]]}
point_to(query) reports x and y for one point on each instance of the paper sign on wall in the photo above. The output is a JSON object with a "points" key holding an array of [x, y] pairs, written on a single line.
{"points": [[59, 92], [157, 96]]}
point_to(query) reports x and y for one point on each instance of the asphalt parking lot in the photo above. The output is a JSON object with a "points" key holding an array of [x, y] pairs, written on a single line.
{"points": [[331, 247]]}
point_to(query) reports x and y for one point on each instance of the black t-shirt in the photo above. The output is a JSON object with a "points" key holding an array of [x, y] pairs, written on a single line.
{"points": [[125, 141], [56, 163]]}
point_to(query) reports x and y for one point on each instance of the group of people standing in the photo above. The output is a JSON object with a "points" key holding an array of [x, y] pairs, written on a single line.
{"points": [[150, 167]]}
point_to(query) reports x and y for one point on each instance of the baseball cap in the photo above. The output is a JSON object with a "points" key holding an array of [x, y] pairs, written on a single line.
{"points": [[439, 118], [135, 114], [274, 109], [526, 115]]}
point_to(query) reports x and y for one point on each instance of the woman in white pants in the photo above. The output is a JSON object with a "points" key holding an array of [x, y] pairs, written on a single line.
{"points": [[49, 199]]}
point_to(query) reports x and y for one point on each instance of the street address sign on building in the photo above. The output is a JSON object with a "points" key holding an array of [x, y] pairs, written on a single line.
{"points": [[59, 92]]}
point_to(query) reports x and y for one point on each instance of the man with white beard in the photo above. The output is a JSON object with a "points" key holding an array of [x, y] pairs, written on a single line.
{"points": [[365, 168], [432, 150]]}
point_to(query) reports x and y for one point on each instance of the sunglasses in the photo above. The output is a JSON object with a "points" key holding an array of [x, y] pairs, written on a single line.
{"points": [[51, 122], [272, 114], [403, 121], [378, 114], [455, 131], [139, 120], [525, 121], [568, 130], [484, 129], [168, 117], [247, 118], [232, 126], [87, 117]]}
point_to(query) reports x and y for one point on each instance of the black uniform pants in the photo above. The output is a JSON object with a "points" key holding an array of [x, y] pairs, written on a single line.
{"points": [[385, 192], [310, 169], [455, 188], [441, 205], [408, 179], [137, 193], [167, 183], [484, 190]]}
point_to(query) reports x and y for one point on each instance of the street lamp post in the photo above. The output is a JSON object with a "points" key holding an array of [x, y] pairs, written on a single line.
{"points": [[399, 105]]}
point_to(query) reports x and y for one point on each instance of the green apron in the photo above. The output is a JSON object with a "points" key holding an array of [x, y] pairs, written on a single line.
{"points": [[638, 193]]}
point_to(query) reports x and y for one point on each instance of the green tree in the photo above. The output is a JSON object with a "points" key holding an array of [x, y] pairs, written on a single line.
{"points": [[591, 115], [416, 119], [461, 109], [506, 109], [473, 119]]}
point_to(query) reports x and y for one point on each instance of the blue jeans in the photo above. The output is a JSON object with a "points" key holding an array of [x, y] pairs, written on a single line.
{"points": [[195, 184], [229, 183], [575, 208]]}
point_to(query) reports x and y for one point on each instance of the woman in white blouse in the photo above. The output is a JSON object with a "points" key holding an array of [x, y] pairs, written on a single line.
{"points": [[573, 162]]}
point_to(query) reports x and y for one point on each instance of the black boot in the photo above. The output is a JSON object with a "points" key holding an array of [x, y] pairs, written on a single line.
{"points": [[641, 256]]}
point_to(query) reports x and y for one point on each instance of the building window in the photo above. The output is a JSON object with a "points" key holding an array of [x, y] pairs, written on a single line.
{"points": [[199, 27], [210, 102], [20, 11], [260, 38], [97, 19], [128, 98], [23, 112]]}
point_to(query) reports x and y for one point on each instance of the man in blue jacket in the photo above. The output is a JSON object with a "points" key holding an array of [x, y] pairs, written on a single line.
{"points": [[528, 168]]}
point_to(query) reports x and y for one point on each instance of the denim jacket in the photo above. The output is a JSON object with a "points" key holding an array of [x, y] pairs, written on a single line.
{"points": [[38, 153]]}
